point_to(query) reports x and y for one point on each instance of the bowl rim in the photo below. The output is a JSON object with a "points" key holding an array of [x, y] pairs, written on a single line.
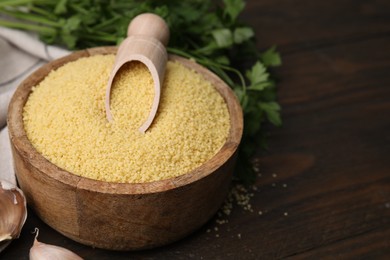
{"points": [[20, 142]]}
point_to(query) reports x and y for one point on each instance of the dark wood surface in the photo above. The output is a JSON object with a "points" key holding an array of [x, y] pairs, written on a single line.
{"points": [[324, 189]]}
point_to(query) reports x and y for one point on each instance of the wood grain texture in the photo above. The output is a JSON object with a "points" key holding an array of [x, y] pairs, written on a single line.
{"points": [[331, 157], [122, 216]]}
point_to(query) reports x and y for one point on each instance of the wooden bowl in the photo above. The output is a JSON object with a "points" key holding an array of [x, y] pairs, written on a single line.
{"points": [[121, 216]]}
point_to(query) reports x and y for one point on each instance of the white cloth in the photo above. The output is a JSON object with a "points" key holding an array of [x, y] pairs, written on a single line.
{"points": [[21, 54], [6, 167]]}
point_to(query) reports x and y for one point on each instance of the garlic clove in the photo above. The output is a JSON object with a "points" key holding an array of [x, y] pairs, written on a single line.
{"points": [[13, 212], [42, 251]]}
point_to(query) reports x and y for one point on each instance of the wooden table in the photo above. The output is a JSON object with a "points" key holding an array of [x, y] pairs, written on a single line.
{"points": [[324, 189]]}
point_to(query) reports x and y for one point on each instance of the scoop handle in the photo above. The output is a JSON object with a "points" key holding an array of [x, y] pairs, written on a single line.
{"points": [[149, 25], [148, 34]]}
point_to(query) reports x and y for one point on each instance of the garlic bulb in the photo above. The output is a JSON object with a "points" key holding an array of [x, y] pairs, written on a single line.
{"points": [[42, 251], [13, 212]]}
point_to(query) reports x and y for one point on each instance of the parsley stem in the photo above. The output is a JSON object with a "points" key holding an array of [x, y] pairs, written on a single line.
{"points": [[103, 38], [34, 9], [180, 52], [210, 63], [17, 3], [10, 3], [227, 68], [31, 18], [106, 23], [78, 8], [30, 27]]}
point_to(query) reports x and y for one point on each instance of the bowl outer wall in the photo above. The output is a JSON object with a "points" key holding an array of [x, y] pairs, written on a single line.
{"points": [[121, 216]]}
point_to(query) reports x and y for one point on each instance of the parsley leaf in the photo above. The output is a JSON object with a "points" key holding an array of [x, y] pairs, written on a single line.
{"points": [[272, 110], [233, 8], [223, 37], [257, 74], [243, 34], [271, 58]]}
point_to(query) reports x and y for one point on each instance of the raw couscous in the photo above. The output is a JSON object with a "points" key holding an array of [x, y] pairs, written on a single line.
{"points": [[65, 120]]}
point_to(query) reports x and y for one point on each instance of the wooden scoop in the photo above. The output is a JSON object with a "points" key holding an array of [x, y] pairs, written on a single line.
{"points": [[147, 36]]}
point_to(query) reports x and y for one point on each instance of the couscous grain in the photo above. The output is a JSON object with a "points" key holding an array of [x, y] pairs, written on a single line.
{"points": [[64, 119]]}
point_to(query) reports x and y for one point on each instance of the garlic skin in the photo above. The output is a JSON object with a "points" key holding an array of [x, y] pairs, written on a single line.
{"points": [[13, 212], [42, 251]]}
